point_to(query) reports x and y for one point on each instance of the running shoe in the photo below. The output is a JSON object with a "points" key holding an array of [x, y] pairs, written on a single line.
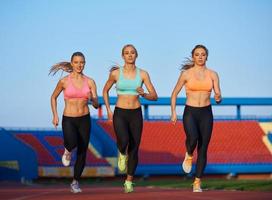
{"points": [[75, 187], [122, 162], [197, 186], [187, 163], [128, 187], [66, 158]]}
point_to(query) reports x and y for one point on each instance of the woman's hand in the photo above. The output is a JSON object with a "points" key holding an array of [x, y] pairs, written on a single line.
{"points": [[55, 121], [93, 99], [217, 98], [140, 91], [174, 118], [110, 115]]}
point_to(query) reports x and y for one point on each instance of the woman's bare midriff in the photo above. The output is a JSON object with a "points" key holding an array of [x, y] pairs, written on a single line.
{"points": [[198, 99], [128, 101], [76, 108]]}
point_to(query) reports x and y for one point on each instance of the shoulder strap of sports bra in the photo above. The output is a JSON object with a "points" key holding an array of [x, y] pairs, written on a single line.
{"points": [[138, 72], [69, 78], [121, 76]]}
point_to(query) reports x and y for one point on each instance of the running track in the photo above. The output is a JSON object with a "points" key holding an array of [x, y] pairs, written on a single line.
{"points": [[115, 193]]}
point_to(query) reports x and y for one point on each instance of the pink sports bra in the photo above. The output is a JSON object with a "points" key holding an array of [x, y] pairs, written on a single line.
{"points": [[72, 92]]}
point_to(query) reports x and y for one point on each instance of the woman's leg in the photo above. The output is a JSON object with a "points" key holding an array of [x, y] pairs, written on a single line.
{"points": [[69, 133], [135, 133], [84, 128], [121, 129], [191, 129], [206, 126]]}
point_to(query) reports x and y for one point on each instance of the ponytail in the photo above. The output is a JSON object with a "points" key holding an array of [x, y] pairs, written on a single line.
{"points": [[114, 67], [188, 63], [64, 66]]}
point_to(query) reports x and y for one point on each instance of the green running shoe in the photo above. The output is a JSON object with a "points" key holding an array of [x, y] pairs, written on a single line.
{"points": [[122, 162], [128, 187]]}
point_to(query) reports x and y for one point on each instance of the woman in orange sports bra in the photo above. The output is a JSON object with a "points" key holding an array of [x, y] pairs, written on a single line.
{"points": [[76, 122], [199, 81]]}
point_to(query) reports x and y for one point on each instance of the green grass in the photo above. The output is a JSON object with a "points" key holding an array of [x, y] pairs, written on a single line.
{"points": [[248, 185], [213, 184]]}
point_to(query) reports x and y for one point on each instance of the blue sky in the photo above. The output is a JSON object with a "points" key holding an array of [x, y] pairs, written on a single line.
{"points": [[36, 34]]}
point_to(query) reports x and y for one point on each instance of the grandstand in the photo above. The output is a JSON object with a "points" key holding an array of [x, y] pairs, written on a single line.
{"points": [[239, 145]]}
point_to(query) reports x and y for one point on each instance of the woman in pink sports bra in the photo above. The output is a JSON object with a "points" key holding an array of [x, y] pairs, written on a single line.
{"points": [[78, 89], [199, 81]]}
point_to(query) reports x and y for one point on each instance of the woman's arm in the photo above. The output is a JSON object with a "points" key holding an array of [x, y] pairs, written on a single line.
{"points": [[111, 80], [152, 94], [180, 83], [216, 87], [54, 97], [93, 93]]}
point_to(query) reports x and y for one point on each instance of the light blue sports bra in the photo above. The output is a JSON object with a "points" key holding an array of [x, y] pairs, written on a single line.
{"points": [[127, 86]]}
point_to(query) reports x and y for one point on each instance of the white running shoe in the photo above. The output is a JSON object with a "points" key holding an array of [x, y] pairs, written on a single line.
{"points": [[187, 163], [197, 186], [75, 187], [66, 158]]}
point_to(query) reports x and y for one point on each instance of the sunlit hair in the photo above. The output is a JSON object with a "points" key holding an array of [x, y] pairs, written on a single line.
{"points": [[114, 67], [117, 66], [189, 63], [65, 66]]}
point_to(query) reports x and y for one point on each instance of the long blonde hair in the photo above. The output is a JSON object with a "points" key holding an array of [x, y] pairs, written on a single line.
{"points": [[64, 66], [116, 65]]}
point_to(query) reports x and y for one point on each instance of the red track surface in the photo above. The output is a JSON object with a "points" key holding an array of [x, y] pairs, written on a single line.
{"points": [[115, 193]]}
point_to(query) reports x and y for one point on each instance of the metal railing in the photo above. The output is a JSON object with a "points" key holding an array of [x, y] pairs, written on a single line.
{"points": [[166, 101]]}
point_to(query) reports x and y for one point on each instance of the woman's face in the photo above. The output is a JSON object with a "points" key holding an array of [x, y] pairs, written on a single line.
{"points": [[129, 55], [200, 57], [78, 63]]}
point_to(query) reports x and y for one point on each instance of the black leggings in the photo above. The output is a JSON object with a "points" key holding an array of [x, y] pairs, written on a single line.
{"points": [[76, 133], [128, 126], [198, 125]]}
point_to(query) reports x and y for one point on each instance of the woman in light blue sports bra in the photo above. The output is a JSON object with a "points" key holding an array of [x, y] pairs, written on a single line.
{"points": [[127, 117]]}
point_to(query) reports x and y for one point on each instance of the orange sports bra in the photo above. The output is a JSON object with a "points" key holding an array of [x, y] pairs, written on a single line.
{"points": [[72, 92], [193, 84]]}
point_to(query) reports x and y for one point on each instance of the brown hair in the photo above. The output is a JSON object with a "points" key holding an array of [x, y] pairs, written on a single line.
{"points": [[188, 63], [65, 66]]}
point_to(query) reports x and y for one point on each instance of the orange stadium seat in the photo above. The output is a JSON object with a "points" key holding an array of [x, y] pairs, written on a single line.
{"points": [[232, 142]]}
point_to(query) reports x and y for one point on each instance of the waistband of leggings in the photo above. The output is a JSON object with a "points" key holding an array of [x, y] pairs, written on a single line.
{"points": [[198, 108], [128, 109], [79, 117]]}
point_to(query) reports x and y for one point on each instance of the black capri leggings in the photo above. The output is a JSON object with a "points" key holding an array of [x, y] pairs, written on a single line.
{"points": [[198, 125], [76, 133], [128, 126]]}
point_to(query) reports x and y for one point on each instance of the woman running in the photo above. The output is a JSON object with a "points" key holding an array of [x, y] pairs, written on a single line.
{"points": [[78, 89], [199, 81], [127, 117]]}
